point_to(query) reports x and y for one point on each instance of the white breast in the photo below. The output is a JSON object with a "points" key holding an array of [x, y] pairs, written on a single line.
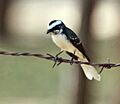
{"points": [[62, 42]]}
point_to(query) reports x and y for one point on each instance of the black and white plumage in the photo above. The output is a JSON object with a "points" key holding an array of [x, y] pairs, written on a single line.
{"points": [[68, 41]]}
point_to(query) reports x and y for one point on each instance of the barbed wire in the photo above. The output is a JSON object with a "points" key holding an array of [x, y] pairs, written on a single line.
{"points": [[59, 60]]}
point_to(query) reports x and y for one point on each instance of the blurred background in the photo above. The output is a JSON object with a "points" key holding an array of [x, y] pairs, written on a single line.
{"points": [[28, 80]]}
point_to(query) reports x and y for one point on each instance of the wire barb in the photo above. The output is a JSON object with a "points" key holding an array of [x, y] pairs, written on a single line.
{"points": [[59, 60]]}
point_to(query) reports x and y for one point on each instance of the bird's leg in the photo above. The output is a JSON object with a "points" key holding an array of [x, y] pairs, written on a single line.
{"points": [[56, 57], [71, 61]]}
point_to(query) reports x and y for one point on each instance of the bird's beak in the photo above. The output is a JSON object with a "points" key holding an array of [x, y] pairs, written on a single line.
{"points": [[48, 31]]}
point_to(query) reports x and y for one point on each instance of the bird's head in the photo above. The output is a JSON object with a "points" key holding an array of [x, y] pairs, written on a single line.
{"points": [[55, 27]]}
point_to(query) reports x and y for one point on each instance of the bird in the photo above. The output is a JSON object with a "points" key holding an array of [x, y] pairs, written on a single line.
{"points": [[69, 42]]}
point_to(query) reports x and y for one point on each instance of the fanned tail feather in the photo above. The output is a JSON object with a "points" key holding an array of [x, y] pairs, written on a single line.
{"points": [[90, 72]]}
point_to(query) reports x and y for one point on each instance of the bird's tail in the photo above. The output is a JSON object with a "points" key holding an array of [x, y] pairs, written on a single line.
{"points": [[90, 72]]}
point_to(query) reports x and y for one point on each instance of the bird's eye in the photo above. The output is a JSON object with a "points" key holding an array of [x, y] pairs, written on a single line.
{"points": [[56, 31], [59, 26]]}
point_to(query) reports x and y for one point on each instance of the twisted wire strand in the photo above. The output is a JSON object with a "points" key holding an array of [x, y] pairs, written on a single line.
{"points": [[58, 59]]}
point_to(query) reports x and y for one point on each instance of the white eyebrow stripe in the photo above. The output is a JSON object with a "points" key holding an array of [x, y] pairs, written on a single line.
{"points": [[54, 24]]}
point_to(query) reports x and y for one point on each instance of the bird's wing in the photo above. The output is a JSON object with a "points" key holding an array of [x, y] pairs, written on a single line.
{"points": [[72, 55], [76, 41]]}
